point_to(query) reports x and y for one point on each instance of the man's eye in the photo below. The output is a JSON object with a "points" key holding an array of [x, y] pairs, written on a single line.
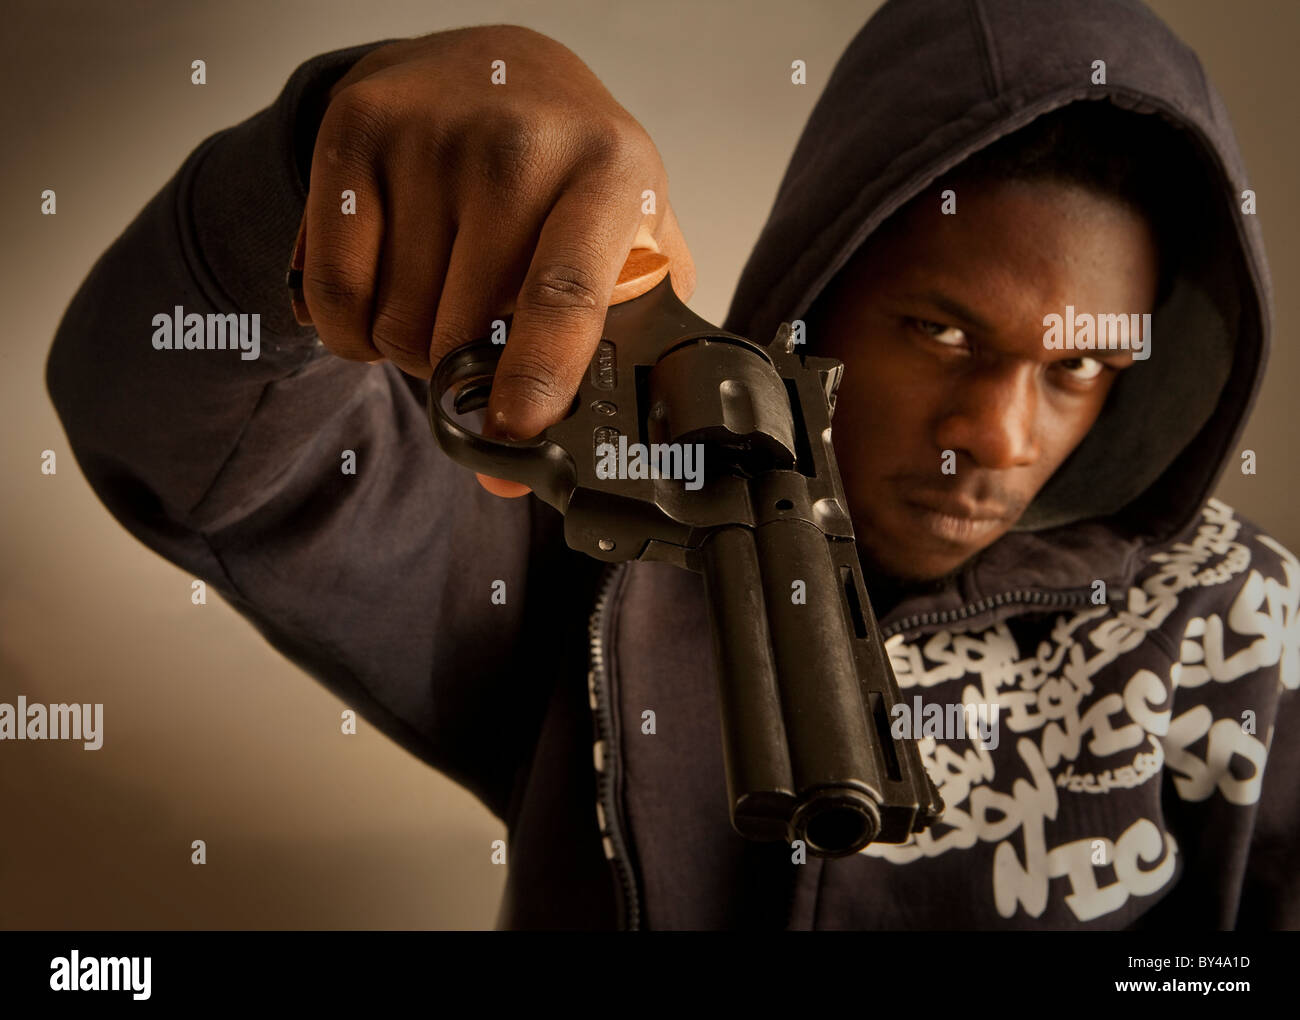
{"points": [[949, 336], [1082, 369]]}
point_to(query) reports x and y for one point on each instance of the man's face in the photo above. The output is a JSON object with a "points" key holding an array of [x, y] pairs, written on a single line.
{"points": [[939, 323]]}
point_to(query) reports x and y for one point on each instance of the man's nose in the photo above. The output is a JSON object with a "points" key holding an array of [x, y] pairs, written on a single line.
{"points": [[993, 417]]}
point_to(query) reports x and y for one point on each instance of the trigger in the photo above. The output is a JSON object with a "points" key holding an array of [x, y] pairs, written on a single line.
{"points": [[473, 395]]}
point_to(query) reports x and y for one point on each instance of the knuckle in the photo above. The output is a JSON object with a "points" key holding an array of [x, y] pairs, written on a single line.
{"points": [[399, 329], [531, 380], [358, 120], [336, 290], [621, 149], [561, 287], [514, 150], [626, 144]]}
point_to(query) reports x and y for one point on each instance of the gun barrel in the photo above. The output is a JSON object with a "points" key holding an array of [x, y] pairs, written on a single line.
{"points": [[800, 751]]}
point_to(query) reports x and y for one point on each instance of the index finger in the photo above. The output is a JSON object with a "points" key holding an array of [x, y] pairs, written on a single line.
{"points": [[560, 311]]}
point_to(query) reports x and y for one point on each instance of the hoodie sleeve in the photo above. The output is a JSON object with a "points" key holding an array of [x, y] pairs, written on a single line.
{"points": [[399, 582]]}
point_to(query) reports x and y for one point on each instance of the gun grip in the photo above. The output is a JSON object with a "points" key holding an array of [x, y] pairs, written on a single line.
{"points": [[643, 269]]}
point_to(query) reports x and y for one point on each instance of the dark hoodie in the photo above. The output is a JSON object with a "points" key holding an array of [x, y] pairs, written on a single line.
{"points": [[1125, 791]]}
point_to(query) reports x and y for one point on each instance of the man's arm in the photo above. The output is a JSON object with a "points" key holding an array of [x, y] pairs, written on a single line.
{"points": [[377, 582]]}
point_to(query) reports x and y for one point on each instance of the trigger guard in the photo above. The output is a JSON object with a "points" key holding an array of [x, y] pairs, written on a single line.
{"points": [[467, 374]]}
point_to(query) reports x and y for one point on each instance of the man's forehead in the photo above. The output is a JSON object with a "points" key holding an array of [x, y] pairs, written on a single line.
{"points": [[1015, 253]]}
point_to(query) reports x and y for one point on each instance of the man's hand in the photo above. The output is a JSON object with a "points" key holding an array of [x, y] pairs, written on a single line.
{"points": [[475, 200]]}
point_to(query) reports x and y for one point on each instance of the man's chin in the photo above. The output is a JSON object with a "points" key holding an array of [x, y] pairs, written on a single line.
{"points": [[908, 565]]}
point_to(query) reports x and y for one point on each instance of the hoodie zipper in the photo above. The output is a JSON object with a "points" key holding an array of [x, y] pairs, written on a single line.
{"points": [[598, 689], [607, 771], [1022, 596]]}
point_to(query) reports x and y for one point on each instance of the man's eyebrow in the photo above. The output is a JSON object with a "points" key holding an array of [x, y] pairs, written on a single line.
{"points": [[951, 306]]}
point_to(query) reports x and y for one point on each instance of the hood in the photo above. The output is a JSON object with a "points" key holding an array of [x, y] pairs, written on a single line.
{"points": [[925, 84]]}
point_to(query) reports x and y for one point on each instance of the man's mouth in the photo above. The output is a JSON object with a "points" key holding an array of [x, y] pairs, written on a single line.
{"points": [[954, 519]]}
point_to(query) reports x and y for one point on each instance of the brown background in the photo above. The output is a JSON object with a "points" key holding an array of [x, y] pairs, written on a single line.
{"points": [[210, 733]]}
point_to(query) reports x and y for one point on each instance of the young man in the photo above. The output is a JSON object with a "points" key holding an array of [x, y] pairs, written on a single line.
{"points": [[1032, 517]]}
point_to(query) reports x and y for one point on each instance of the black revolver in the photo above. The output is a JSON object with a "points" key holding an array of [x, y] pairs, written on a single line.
{"points": [[805, 688]]}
